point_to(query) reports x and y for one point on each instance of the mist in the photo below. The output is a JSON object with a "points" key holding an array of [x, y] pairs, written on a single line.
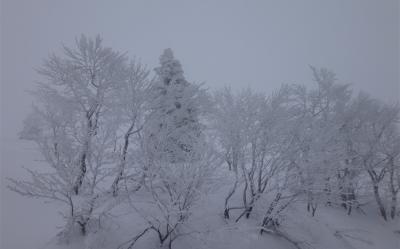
{"points": [[240, 44]]}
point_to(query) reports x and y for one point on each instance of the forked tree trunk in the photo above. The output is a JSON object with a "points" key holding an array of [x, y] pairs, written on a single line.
{"points": [[232, 191]]}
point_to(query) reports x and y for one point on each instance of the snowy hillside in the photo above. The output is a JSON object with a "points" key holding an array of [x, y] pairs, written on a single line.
{"points": [[330, 228]]}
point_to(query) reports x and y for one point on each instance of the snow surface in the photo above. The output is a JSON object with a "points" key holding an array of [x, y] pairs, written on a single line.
{"points": [[331, 228]]}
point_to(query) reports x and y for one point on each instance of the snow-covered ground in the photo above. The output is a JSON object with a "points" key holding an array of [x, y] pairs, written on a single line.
{"points": [[33, 224], [331, 228]]}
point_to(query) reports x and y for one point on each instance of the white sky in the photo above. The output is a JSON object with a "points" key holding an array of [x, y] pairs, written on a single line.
{"points": [[238, 43]]}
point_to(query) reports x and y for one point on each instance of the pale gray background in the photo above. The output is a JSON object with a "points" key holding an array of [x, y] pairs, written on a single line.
{"points": [[260, 44]]}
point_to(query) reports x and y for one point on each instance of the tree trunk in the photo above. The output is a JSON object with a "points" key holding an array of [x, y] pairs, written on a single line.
{"points": [[378, 199], [82, 173], [393, 189], [115, 186], [82, 225], [233, 190], [393, 206], [314, 209], [268, 219], [83, 229], [85, 150]]}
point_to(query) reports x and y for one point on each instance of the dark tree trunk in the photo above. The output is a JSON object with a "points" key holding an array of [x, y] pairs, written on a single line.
{"points": [[83, 229], [82, 225], [394, 190], [232, 191], [268, 220], [115, 186], [394, 205], [82, 173], [314, 208], [378, 199], [91, 131]]}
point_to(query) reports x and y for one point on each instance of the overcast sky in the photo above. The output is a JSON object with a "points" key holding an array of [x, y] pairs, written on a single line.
{"points": [[237, 43]]}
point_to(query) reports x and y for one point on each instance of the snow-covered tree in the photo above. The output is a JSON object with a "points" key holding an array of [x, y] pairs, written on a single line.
{"points": [[370, 121], [319, 152], [252, 134], [109, 134], [173, 126], [177, 160], [229, 129], [173, 190], [74, 131], [130, 105], [390, 148]]}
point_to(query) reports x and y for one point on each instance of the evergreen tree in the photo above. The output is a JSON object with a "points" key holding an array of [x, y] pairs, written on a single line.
{"points": [[173, 129]]}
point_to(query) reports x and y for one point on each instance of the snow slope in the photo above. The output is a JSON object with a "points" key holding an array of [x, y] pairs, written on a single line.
{"points": [[331, 228]]}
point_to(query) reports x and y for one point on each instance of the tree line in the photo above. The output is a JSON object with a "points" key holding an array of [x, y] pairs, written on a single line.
{"points": [[109, 130]]}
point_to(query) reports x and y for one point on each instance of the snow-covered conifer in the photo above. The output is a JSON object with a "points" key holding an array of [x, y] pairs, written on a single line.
{"points": [[173, 126]]}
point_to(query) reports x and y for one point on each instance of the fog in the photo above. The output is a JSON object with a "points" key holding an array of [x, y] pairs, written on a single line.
{"points": [[260, 44]]}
